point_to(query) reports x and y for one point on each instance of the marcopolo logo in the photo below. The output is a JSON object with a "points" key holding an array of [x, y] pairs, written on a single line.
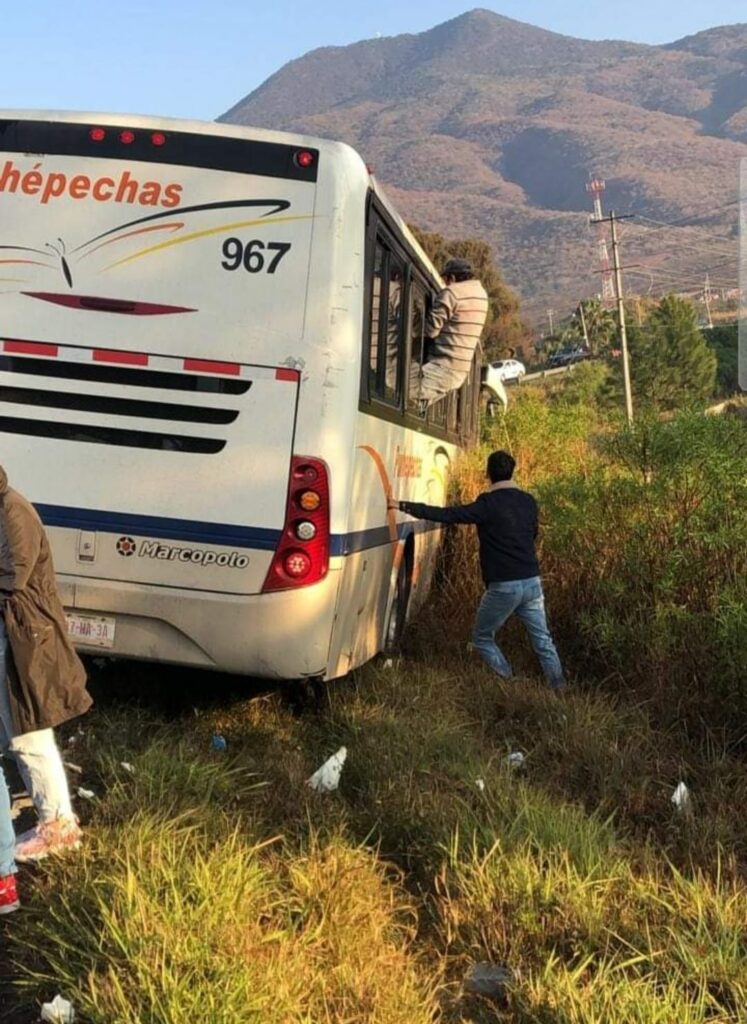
{"points": [[171, 553], [126, 546]]}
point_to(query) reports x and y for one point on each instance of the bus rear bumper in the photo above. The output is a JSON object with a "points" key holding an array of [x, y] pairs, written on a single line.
{"points": [[283, 635]]}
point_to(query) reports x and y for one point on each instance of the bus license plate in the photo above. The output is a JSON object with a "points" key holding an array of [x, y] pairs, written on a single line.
{"points": [[91, 630]]}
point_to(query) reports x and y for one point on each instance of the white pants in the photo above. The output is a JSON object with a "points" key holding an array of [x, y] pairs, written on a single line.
{"points": [[36, 755]]}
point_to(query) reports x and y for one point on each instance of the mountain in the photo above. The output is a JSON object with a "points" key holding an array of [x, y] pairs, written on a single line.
{"points": [[489, 127]]}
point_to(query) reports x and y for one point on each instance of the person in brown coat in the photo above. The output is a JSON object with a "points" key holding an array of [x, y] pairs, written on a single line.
{"points": [[42, 680]]}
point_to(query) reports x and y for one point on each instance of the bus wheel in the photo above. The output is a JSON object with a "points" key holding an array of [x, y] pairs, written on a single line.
{"points": [[398, 612]]}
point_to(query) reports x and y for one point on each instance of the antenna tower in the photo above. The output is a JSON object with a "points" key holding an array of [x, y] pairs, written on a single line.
{"points": [[596, 188]]}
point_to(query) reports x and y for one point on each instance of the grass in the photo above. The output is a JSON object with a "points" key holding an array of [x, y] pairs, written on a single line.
{"points": [[216, 887]]}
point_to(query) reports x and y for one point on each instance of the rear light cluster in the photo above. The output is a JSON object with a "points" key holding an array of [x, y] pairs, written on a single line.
{"points": [[302, 556], [126, 136]]}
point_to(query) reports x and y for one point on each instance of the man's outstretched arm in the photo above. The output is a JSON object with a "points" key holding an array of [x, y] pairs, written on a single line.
{"points": [[457, 514]]}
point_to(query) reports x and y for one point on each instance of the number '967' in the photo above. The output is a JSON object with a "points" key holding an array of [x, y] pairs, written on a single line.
{"points": [[255, 257]]}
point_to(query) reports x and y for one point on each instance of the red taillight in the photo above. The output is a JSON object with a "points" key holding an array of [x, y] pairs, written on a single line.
{"points": [[127, 136], [297, 564], [97, 135], [304, 158], [302, 556], [158, 139]]}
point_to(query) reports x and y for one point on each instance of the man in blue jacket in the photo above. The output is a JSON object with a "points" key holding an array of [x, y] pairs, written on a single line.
{"points": [[507, 524]]}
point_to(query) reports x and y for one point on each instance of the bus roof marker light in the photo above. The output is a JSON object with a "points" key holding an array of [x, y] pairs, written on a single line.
{"points": [[126, 137], [304, 158], [158, 139], [97, 134]]}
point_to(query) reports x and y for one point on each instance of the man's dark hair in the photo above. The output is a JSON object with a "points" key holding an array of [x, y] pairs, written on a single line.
{"points": [[501, 466], [459, 269]]}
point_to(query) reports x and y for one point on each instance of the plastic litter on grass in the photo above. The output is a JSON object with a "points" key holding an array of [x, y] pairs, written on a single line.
{"points": [[327, 778], [59, 1011], [681, 799]]}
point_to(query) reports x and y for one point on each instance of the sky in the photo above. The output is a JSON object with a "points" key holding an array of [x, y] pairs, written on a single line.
{"points": [[196, 58]]}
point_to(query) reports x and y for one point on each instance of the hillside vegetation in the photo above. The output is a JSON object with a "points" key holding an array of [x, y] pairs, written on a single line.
{"points": [[487, 127], [216, 887]]}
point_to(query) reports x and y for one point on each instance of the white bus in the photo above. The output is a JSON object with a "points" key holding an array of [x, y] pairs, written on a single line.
{"points": [[205, 344]]}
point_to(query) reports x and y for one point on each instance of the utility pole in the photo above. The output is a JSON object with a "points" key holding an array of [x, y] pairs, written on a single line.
{"points": [[583, 323], [707, 297], [621, 314], [617, 271]]}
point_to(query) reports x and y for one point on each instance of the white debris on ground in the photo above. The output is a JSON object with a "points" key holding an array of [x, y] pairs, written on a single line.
{"points": [[388, 664], [59, 1011], [86, 794], [516, 759], [327, 778], [128, 767], [681, 799], [73, 767], [480, 783]]}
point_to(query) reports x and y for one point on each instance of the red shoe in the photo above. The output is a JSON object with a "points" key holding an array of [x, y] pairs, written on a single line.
{"points": [[50, 837], [8, 895]]}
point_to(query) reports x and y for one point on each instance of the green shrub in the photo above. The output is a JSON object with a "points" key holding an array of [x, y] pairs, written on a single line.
{"points": [[646, 559]]}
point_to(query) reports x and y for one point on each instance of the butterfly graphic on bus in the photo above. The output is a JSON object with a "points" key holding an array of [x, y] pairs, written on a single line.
{"points": [[51, 271]]}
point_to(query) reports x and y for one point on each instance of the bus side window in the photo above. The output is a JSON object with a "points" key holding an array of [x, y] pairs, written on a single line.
{"points": [[466, 418], [439, 410], [386, 335], [375, 325], [417, 343], [391, 357]]}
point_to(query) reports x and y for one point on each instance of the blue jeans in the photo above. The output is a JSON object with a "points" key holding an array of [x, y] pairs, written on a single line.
{"points": [[7, 835], [526, 599]]}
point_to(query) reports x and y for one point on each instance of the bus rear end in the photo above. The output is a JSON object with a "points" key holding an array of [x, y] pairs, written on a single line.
{"points": [[153, 282]]}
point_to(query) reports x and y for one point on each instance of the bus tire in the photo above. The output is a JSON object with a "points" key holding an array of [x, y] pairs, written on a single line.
{"points": [[397, 619]]}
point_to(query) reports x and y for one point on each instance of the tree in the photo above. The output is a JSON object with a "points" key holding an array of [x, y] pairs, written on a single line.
{"points": [[601, 325], [505, 332], [723, 340], [670, 363]]}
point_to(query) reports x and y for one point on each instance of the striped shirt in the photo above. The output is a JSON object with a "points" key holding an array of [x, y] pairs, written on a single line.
{"points": [[455, 323]]}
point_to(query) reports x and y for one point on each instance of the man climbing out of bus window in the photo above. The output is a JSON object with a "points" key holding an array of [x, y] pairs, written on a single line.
{"points": [[453, 327], [42, 681], [507, 524]]}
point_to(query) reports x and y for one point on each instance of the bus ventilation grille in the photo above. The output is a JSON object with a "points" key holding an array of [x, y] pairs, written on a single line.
{"points": [[49, 407]]}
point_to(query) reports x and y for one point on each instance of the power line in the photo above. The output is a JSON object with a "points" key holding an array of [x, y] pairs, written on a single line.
{"points": [[691, 218], [715, 247]]}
